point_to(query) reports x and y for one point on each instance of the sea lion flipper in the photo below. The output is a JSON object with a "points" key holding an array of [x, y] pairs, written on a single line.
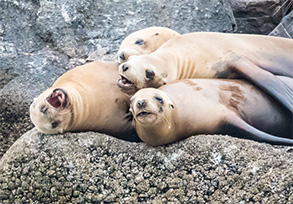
{"points": [[263, 79], [237, 127]]}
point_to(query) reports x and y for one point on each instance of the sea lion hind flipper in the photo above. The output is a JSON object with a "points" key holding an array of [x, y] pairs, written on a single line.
{"points": [[263, 79], [237, 127]]}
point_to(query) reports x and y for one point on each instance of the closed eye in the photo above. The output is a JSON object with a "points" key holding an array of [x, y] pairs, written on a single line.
{"points": [[139, 42], [159, 99]]}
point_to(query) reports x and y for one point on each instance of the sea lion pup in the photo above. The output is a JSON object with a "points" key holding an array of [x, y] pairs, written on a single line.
{"points": [[209, 106], [85, 98], [215, 55], [144, 41]]}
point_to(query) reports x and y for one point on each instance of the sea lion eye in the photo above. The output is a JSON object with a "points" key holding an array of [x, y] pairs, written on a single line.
{"points": [[159, 99], [139, 42], [149, 74], [55, 124], [43, 109]]}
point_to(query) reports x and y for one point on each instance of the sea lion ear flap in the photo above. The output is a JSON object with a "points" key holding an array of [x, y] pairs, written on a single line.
{"points": [[164, 76], [58, 99], [164, 81]]}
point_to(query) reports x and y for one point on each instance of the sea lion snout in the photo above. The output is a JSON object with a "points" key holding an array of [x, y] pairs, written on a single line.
{"points": [[125, 67], [122, 56], [141, 104]]}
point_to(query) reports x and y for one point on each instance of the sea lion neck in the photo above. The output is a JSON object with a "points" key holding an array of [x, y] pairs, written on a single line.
{"points": [[78, 110], [163, 62]]}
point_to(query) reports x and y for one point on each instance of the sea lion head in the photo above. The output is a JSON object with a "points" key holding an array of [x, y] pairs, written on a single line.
{"points": [[153, 113], [151, 106], [50, 112], [144, 41], [140, 72]]}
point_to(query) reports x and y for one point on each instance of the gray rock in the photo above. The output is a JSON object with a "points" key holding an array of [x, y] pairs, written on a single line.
{"points": [[41, 39], [257, 16], [94, 168], [285, 27]]}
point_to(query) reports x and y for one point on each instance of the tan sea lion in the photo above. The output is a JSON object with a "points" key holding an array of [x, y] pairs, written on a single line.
{"points": [[257, 58], [85, 98], [210, 106], [144, 41]]}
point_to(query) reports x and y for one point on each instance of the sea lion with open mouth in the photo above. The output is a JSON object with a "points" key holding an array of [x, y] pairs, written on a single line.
{"points": [[257, 58], [85, 98], [210, 106]]}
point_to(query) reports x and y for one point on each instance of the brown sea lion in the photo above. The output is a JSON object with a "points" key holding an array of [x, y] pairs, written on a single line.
{"points": [[85, 98], [144, 41], [210, 106], [257, 58]]}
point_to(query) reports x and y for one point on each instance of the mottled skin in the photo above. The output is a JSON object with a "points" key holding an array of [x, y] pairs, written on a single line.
{"points": [[257, 58], [144, 41], [89, 100], [209, 106]]}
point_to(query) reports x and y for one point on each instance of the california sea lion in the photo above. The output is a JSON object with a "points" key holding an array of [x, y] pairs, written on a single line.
{"points": [[144, 41], [209, 106], [215, 55], [85, 98]]}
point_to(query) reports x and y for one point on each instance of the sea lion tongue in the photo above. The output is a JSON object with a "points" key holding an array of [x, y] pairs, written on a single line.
{"points": [[58, 98]]}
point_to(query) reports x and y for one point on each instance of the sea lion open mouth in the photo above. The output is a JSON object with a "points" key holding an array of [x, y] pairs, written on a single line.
{"points": [[125, 83], [58, 99]]}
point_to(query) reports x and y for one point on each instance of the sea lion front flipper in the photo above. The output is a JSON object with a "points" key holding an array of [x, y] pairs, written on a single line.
{"points": [[236, 127], [263, 79]]}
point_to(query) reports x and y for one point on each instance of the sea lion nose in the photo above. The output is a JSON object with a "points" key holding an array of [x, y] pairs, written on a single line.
{"points": [[141, 104], [122, 56], [124, 67]]}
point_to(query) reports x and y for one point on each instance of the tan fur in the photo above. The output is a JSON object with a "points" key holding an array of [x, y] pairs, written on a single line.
{"points": [[95, 102], [197, 55], [203, 106], [153, 38]]}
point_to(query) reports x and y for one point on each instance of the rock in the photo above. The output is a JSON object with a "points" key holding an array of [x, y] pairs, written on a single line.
{"points": [[285, 27], [257, 16], [208, 169], [41, 39]]}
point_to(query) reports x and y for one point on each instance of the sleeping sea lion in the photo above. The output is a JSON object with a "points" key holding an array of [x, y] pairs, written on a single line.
{"points": [[144, 41]]}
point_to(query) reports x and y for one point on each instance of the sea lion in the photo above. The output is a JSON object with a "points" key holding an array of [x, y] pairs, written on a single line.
{"points": [[85, 98], [257, 58], [209, 106], [144, 41]]}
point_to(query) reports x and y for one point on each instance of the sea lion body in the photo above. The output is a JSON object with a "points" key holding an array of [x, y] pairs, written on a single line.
{"points": [[214, 55], [144, 41], [209, 106], [85, 98]]}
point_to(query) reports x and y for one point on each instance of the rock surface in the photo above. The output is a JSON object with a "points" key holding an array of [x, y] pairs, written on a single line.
{"points": [[41, 39], [92, 167], [285, 27], [257, 16]]}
